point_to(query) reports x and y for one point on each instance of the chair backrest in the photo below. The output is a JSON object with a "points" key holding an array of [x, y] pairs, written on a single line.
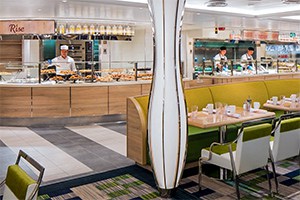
{"points": [[252, 150], [286, 142], [18, 184]]}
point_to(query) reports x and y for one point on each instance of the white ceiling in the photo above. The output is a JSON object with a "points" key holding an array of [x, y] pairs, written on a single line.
{"points": [[251, 14]]}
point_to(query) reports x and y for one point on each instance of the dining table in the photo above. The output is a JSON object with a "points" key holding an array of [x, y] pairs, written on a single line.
{"points": [[221, 119], [286, 106]]}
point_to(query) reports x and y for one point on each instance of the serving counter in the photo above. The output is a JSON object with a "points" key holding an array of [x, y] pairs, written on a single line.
{"points": [[34, 102]]}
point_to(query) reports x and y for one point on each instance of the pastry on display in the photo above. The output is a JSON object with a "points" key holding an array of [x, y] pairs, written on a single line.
{"points": [[57, 78], [75, 77], [66, 72], [90, 77], [144, 74], [85, 71], [104, 79], [126, 77], [146, 78], [48, 71]]}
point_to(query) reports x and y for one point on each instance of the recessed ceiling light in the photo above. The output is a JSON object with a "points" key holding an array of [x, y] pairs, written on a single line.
{"points": [[296, 17], [216, 3], [64, 1], [291, 1]]}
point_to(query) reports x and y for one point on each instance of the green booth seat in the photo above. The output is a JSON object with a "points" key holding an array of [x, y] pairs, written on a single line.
{"points": [[198, 138]]}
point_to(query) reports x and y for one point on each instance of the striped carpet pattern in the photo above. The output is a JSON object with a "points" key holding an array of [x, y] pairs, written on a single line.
{"points": [[254, 185]]}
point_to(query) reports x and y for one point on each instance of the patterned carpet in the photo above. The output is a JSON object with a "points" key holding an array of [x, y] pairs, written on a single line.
{"points": [[137, 183]]}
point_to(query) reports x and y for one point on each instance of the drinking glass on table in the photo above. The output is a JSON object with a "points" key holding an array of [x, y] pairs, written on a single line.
{"points": [[282, 99], [194, 110], [219, 107]]}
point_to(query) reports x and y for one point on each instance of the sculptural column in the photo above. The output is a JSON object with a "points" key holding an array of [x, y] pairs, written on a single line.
{"points": [[167, 119]]}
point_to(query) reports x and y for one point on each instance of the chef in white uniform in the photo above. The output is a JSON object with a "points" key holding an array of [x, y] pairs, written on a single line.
{"points": [[220, 60], [247, 60], [64, 62]]}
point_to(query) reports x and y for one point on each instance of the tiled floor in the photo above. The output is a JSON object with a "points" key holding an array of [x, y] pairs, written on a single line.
{"points": [[66, 152]]}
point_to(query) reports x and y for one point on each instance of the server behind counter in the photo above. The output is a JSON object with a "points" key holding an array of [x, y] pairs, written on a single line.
{"points": [[247, 60], [220, 60], [64, 62]]}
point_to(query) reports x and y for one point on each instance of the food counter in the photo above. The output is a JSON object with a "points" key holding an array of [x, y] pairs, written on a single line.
{"points": [[69, 100]]}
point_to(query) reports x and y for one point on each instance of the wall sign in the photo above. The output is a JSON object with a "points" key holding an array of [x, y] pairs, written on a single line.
{"points": [[15, 27], [259, 35]]}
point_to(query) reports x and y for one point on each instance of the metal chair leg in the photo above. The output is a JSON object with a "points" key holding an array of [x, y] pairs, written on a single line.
{"points": [[269, 180], [275, 176], [237, 187], [199, 174]]}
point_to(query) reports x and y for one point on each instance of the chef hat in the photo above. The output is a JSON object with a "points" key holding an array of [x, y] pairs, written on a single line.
{"points": [[64, 47]]}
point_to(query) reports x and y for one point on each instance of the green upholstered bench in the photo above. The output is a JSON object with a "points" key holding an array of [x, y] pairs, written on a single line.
{"points": [[284, 87], [198, 138]]}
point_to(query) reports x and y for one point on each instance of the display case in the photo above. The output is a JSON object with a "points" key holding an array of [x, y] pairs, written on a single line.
{"points": [[46, 73], [246, 68]]}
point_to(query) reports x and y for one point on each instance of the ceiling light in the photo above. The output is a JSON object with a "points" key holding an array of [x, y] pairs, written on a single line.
{"points": [[216, 3], [295, 17], [291, 1]]}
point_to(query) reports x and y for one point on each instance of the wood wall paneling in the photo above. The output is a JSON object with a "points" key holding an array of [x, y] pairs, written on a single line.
{"points": [[51, 102], [117, 97], [295, 76], [10, 50], [242, 79], [89, 101], [146, 89], [271, 77], [15, 102], [258, 78]]}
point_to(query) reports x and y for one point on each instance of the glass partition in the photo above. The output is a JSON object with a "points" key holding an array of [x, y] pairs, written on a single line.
{"points": [[246, 68], [86, 72]]}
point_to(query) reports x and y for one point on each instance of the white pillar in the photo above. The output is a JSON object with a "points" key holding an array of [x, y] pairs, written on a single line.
{"points": [[167, 121]]}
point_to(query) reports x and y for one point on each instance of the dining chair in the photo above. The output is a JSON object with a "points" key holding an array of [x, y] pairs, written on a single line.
{"points": [[286, 140], [249, 151], [20, 185]]}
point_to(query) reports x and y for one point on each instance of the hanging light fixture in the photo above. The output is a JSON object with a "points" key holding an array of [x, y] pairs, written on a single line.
{"points": [[216, 3]]}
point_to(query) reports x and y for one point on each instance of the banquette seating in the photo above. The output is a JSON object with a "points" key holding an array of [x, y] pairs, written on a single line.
{"points": [[199, 138]]}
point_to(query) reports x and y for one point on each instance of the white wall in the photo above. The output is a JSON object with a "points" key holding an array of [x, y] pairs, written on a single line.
{"points": [[123, 53]]}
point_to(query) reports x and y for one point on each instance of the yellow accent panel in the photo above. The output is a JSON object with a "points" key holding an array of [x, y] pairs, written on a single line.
{"points": [[197, 96], [236, 94], [283, 87], [143, 101]]}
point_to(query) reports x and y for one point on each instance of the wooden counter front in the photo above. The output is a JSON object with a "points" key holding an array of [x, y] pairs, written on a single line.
{"points": [[89, 101], [15, 102], [118, 95], [51, 102]]}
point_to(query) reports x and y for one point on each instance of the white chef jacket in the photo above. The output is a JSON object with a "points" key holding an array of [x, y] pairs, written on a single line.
{"points": [[61, 63], [220, 58], [249, 59]]}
